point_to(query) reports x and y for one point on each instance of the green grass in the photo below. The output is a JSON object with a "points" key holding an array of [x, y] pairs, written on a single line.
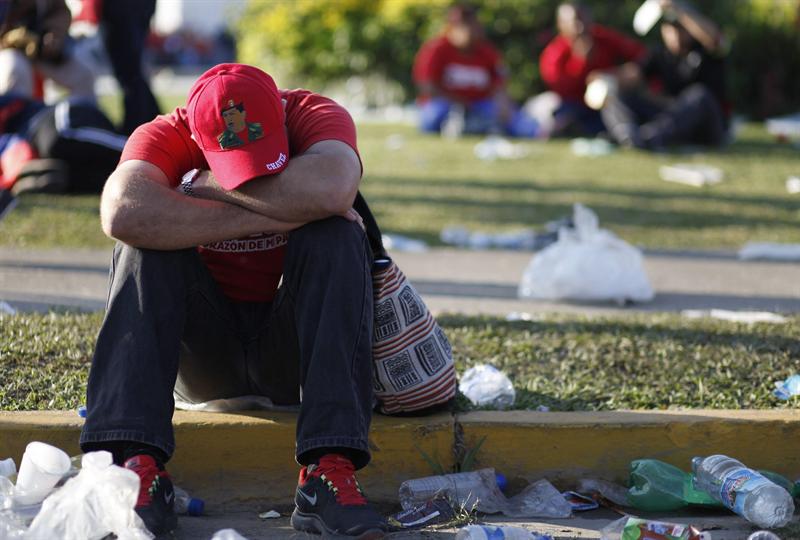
{"points": [[565, 363], [429, 183]]}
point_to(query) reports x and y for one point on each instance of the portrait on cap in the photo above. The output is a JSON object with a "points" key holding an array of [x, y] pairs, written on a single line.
{"points": [[234, 116]]}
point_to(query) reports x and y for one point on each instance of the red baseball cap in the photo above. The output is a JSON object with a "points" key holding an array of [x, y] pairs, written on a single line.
{"points": [[236, 116]]}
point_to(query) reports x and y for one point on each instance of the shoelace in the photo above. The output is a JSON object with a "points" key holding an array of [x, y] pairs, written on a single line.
{"points": [[338, 473], [149, 476]]}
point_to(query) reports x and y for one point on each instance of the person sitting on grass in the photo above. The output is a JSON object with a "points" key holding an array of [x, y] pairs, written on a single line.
{"points": [[690, 105], [581, 51], [461, 75], [240, 269]]}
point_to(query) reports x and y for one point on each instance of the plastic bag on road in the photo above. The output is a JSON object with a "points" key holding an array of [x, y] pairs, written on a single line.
{"points": [[227, 534], [98, 501], [587, 263], [485, 385]]}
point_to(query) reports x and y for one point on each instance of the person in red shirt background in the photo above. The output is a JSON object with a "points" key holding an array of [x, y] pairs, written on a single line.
{"points": [[580, 51], [461, 72], [240, 269]]}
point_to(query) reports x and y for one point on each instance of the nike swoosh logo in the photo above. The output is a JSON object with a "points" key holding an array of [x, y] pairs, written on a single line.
{"points": [[169, 496], [311, 500]]}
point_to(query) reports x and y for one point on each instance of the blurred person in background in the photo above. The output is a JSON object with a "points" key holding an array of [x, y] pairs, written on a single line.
{"points": [[685, 102], [124, 26], [461, 79], [35, 44], [580, 52]]}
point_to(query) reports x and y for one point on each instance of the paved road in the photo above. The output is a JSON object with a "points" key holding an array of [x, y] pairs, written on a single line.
{"points": [[585, 525], [450, 280]]}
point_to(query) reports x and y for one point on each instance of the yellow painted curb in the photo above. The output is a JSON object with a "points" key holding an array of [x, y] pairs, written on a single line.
{"points": [[571, 445], [250, 455]]}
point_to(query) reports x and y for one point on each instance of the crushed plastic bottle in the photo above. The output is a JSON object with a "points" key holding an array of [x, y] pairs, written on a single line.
{"points": [[632, 528], [486, 386], [186, 504], [479, 490], [483, 532], [657, 487], [743, 490]]}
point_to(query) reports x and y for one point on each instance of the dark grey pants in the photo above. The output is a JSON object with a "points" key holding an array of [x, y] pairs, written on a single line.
{"points": [[168, 327], [692, 117]]}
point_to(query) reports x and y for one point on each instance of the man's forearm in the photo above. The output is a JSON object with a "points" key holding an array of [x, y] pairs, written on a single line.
{"points": [[137, 211], [313, 186]]}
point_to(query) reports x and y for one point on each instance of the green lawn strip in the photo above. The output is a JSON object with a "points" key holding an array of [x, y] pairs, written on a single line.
{"points": [[562, 362], [429, 183]]}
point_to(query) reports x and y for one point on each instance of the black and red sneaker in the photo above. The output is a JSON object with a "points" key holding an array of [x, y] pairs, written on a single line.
{"points": [[330, 502], [156, 502]]}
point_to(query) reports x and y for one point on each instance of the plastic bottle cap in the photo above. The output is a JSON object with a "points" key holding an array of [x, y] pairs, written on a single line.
{"points": [[502, 483], [82, 411], [195, 507]]}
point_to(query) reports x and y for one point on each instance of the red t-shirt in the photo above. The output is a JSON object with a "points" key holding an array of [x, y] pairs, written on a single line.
{"points": [[471, 75], [565, 73], [247, 269]]}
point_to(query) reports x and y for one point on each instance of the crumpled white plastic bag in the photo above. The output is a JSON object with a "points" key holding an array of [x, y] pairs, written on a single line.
{"points": [[486, 385], [96, 502], [587, 263]]}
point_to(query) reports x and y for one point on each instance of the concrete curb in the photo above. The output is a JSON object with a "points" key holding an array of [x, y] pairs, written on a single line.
{"points": [[235, 457]]}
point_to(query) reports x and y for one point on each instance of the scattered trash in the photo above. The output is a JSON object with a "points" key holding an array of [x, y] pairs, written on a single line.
{"points": [[543, 408], [770, 251], [745, 491], [397, 242], [227, 534], [395, 141], [478, 490], [608, 490], [578, 502], [519, 316], [793, 184], [785, 127], [186, 504], [591, 147], [428, 513], [647, 16], [587, 263], [658, 487], [749, 317], [788, 388], [691, 174], [483, 532], [97, 502], [763, 535], [240, 403], [495, 147], [629, 527], [272, 514], [454, 124], [485, 385], [42, 467]]}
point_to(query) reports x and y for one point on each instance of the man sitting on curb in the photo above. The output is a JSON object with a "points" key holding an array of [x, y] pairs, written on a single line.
{"points": [[285, 308]]}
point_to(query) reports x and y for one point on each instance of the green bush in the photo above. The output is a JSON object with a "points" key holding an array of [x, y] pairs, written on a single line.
{"points": [[314, 43]]}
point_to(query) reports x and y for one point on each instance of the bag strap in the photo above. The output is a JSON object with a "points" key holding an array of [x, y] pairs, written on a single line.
{"points": [[374, 235]]}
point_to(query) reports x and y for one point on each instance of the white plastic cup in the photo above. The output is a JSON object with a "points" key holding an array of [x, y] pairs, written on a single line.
{"points": [[41, 468]]}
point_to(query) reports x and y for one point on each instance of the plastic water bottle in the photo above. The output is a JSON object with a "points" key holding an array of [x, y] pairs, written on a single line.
{"points": [[482, 532], [186, 504], [463, 489], [743, 490]]}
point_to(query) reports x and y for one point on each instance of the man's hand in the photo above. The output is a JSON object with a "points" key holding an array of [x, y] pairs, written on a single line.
{"points": [[352, 215]]}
